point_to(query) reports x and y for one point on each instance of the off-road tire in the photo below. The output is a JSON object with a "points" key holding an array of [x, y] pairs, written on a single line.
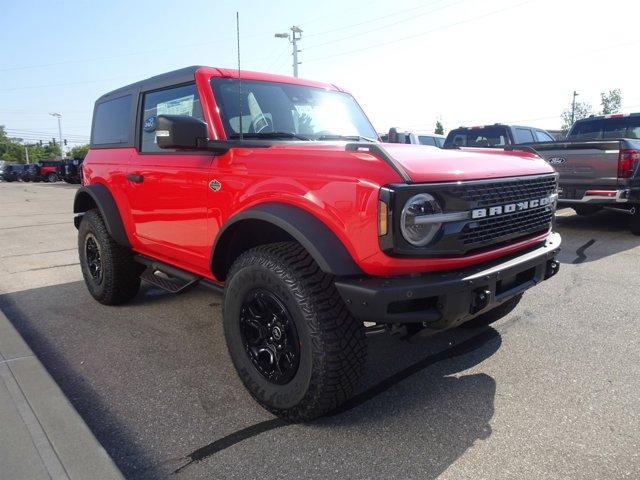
{"points": [[120, 280], [332, 343], [586, 210], [634, 221], [52, 177], [494, 314]]}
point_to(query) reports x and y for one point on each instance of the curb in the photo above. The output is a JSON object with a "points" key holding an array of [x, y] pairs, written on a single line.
{"points": [[42, 434]]}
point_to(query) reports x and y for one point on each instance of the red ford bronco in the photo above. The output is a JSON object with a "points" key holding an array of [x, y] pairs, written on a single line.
{"points": [[276, 190]]}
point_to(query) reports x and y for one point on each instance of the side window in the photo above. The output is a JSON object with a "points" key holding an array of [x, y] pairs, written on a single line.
{"points": [[523, 135], [183, 100], [543, 136], [111, 122], [426, 140]]}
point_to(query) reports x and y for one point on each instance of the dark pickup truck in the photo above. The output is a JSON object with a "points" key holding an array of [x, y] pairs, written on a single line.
{"points": [[498, 135], [598, 165]]}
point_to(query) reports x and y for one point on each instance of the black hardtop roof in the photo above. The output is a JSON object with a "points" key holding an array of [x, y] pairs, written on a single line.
{"points": [[607, 117], [508, 125], [175, 77]]}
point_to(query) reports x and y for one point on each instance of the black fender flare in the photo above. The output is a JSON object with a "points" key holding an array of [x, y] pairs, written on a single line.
{"points": [[100, 196], [314, 235]]}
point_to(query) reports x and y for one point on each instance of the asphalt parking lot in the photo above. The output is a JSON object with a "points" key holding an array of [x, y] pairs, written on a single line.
{"points": [[552, 391]]}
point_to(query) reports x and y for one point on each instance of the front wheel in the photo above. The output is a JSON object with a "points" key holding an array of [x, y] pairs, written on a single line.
{"points": [[52, 177], [294, 344], [111, 274]]}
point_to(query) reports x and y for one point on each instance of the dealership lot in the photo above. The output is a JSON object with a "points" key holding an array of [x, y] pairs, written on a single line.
{"points": [[551, 391]]}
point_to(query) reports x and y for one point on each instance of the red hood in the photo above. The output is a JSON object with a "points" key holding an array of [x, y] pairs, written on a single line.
{"points": [[431, 164]]}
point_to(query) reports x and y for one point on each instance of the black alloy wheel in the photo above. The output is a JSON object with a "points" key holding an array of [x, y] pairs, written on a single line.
{"points": [[269, 336], [93, 258]]}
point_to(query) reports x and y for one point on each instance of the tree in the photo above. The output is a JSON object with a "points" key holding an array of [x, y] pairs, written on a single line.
{"points": [[439, 128], [583, 110], [611, 102], [12, 149], [79, 151]]}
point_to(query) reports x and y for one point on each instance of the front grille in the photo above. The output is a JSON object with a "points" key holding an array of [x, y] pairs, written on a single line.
{"points": [[517, 224], [497, 193], [466, 236]]}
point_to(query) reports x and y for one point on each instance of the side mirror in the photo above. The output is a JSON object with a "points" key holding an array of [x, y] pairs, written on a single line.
{"points": [[180, 131]]}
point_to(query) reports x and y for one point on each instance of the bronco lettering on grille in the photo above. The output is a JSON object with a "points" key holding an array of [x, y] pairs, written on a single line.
{"points": [[511, 207]]}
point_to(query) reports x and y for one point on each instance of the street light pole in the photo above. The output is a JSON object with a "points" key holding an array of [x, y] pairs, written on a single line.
{"points": [[573, 107], [294, 38], [59, 116]]}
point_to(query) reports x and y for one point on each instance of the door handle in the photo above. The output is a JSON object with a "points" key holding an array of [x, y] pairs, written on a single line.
{"points": [[135, 178]]}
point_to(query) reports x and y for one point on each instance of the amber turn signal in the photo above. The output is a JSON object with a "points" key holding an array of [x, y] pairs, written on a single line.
{"points": [[383, 215]]}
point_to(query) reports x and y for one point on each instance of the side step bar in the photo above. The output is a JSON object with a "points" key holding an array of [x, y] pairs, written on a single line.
{"points": [[170, 278]]}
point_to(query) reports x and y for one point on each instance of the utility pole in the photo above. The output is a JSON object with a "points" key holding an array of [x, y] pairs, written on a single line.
{"points": [[26, 153], [294, 38], [573, 107], [59, 116]]}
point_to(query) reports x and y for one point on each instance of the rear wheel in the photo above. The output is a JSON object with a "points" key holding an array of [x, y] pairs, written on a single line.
{"points": [[585, 210], [52, 177], [109, 270], [494, 314], [291, 339]]}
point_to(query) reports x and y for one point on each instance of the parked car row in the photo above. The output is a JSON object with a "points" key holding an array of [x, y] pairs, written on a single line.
{"points": [[497, 135], [67, 170]]}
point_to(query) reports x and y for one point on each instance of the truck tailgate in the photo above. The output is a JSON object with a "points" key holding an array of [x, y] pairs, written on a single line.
{"points": [[583, 163]]}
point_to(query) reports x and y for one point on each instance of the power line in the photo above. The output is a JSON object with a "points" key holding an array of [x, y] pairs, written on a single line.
{"points": [[420, 34], [383, 27], [46, 134], [44, 130], [373, 20]]}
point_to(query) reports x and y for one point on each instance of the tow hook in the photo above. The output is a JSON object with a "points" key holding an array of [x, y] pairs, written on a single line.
{"points": [[553, 266], [480, 300]]}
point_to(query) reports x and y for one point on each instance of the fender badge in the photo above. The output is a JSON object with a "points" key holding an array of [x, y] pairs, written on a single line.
{"points": [[215, 185]]}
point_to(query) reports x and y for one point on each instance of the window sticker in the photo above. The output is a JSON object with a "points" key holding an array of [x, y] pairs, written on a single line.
{"points": [[179, 106]]}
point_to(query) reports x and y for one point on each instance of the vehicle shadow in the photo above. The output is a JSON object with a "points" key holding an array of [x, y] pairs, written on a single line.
{"points": [[442, 412], [593, 237], [154, 383]]}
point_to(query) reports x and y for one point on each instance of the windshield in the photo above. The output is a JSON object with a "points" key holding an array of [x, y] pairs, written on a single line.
{"points": [[606, 129], [478, 137], [295, 111]]}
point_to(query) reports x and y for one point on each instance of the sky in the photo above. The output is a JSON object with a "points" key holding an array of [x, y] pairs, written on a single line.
{"points": [[407, 62]]}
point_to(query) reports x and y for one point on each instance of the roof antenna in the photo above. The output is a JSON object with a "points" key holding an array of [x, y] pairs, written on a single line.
{"points": [[239, 75]]}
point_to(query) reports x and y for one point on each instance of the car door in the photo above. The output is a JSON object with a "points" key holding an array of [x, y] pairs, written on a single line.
{"points": [[167, 189]]}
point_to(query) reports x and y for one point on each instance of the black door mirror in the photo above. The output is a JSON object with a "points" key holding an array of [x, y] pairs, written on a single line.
{"points": [[181, 131]]}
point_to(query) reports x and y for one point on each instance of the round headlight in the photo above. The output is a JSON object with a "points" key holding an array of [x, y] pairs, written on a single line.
{"points": [[414, 222]]}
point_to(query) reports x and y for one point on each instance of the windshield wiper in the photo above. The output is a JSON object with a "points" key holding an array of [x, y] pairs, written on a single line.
{"points": [[270, 135], [355, 138]]}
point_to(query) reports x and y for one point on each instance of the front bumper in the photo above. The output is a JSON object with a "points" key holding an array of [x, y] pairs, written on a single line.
{"points": [[443, 300]]}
